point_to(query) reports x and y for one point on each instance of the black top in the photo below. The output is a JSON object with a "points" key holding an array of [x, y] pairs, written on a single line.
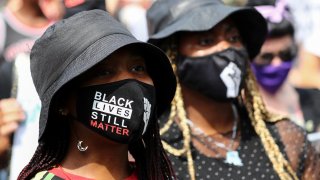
{"points": [[256, 164], [310, 102]]}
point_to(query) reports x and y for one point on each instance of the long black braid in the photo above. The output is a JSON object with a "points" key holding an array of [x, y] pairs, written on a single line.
{"points": [[151, 159], [54, 143], [51, 149]]}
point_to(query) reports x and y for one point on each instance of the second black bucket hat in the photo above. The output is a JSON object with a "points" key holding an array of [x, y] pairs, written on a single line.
{"points": [[166, 17], [70, 47]]}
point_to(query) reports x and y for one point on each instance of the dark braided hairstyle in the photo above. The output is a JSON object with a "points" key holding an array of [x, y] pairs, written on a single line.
{"points": [[51, 149], [250, 99], [150, 157], [53, 145]]}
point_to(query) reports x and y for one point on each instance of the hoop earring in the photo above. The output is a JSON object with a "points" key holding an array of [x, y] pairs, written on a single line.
{"points": [[64, 113], [80, 147]]}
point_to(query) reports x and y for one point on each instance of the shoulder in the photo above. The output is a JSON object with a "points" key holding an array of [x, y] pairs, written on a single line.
{"points": [[290, 134], [288, 126], [293, 142]]}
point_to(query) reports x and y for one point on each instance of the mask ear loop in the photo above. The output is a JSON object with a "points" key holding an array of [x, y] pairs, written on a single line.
{"points": [[64, 113]]}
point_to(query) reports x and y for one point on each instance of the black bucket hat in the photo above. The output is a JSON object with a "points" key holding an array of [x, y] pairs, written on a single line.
{"points": [[72, 46], [166, 17]]}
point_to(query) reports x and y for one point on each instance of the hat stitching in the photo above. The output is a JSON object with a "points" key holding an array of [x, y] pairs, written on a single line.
{"points": [[167, 30], [183, 7], [59, 83], [249, 15], [67, 62]]}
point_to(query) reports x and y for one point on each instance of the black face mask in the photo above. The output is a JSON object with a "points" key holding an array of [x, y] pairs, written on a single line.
{"points": [[218, 76], [119, 111]]}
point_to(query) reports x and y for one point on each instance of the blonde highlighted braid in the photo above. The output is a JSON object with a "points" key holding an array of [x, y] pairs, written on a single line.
{"points": [[178, 113], [257, 112], [258, 115]]}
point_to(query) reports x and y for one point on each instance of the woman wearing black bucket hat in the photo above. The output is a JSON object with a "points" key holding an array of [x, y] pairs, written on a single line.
{"points": [[101, 91], [218, 126]]}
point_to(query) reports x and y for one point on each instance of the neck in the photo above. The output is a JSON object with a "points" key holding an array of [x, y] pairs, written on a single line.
{"points": [[209, 115], [278, 100], [104, 159], [285, 101]]}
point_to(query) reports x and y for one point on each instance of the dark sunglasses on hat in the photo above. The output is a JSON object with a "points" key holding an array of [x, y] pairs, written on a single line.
{"points": [[285, 55]]}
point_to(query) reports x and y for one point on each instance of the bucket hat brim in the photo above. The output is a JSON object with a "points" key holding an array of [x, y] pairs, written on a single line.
{"points": [[157, 63], [202, 16]]}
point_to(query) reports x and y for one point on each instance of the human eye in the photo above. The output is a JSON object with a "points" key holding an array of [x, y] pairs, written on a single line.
{"points": [[139, 68], [206, 41], [234, 39], [103, 72], [233, 35], [97, 75], [264, 58], [137, 64], [288, 54]]}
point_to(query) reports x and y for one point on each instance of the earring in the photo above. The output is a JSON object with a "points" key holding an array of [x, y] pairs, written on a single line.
{"points": [[63, 112], [80, 147]]}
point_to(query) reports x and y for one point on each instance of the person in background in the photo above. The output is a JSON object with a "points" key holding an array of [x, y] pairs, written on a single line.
{"points": [[21, 22], [306, 72], [102, 93], [218, 126], [11, 114], [75, 6], [132, 13], [274, 63]]}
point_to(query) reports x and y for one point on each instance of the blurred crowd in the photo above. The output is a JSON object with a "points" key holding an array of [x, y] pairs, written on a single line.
{"points": [[286, 69]]}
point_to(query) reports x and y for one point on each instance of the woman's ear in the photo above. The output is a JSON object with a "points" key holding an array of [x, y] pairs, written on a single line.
{"points": [[65, 102]]}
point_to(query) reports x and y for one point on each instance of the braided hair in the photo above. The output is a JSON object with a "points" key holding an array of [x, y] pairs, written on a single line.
{"points": [[51, 149], [255, 107], [150, 157]]}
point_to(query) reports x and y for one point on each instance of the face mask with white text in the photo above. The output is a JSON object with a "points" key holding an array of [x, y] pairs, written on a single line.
{"points": [[119, 111]]}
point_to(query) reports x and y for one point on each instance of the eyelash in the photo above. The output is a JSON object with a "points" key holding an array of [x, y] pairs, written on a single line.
{"points": [[234, 38], [104, 72], [139, 68], [205, 41]]}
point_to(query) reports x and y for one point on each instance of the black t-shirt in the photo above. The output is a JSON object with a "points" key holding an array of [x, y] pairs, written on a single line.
{"points": [[256, 164], [310, 105]]}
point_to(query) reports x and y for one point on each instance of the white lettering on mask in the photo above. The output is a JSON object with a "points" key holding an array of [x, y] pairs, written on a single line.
{"points": [[112, 109], [120, 107], [113, 100]]}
